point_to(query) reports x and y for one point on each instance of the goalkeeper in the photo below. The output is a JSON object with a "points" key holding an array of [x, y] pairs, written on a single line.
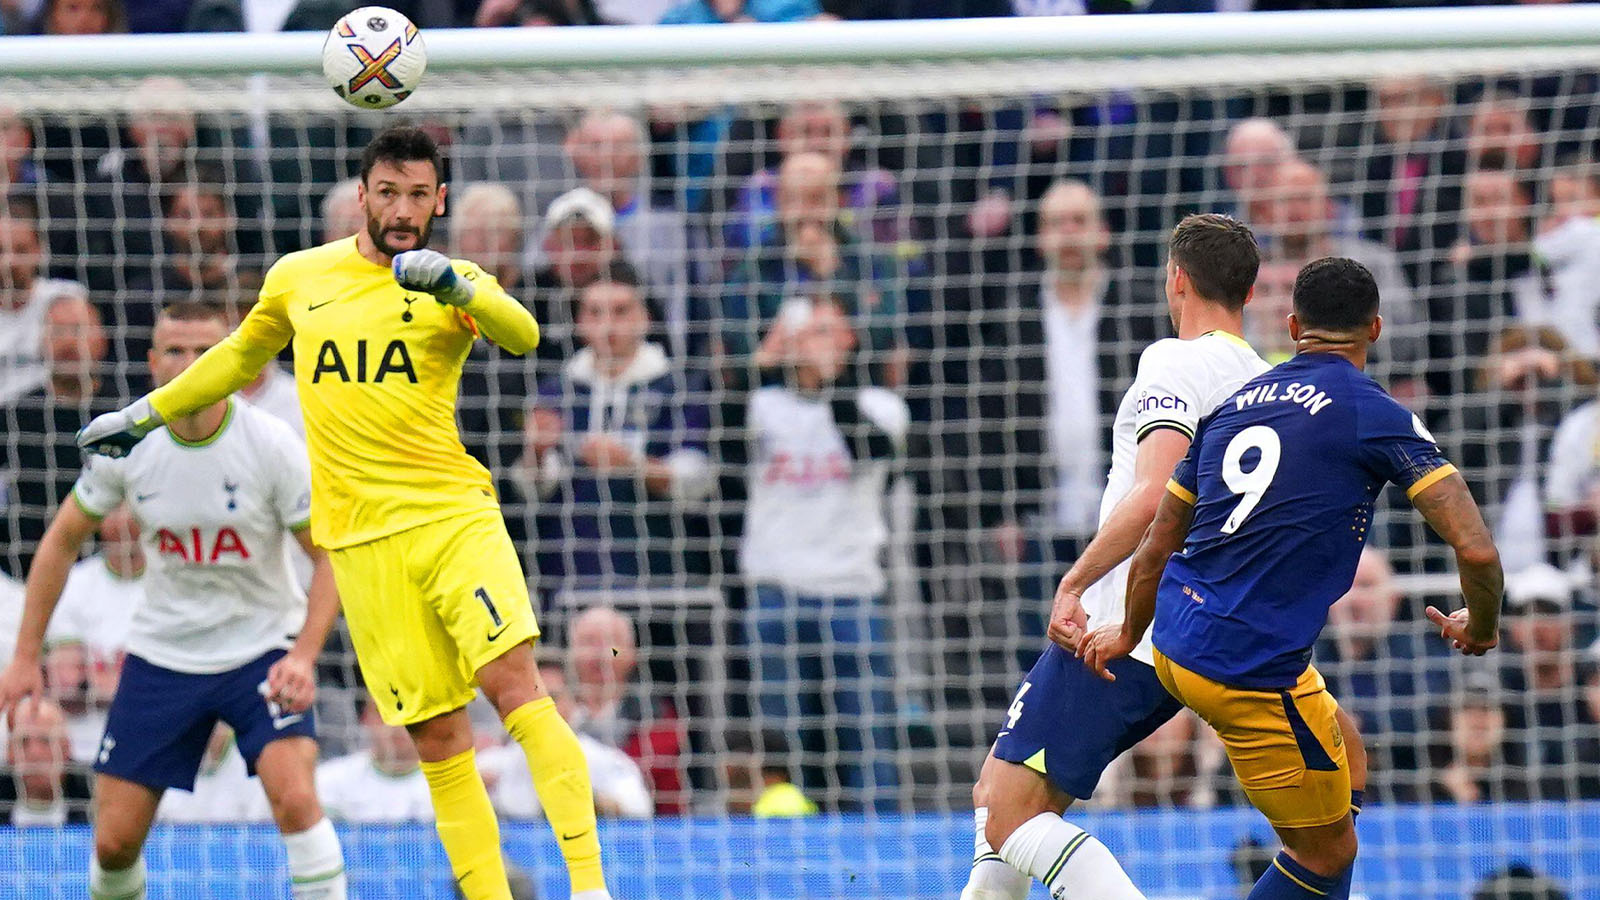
{"points": [[432, 587]]}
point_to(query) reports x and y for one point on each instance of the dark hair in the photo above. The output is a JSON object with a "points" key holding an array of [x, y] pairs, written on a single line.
{"points": [[1335, 294], [559, 12], [1575, 164], [116, 16], [21, 206], [205, 178], [398, 144], [618, 271], [768, 745], [194, 311], [1219, 255]]}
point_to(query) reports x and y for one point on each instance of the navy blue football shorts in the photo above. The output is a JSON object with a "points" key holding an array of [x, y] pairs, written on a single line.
{"points": [[160, 720], [1068, 724]]}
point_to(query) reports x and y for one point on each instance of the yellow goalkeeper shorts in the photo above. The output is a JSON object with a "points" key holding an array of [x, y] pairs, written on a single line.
{"points": [[430, 606]]}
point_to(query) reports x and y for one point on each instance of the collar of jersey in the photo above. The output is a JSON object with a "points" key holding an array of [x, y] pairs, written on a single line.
{"points": [[1228, 335], [227, 419]]}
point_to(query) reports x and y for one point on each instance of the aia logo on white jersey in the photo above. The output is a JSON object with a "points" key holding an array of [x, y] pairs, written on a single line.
{"points": [[199, 547], [807, 470]]}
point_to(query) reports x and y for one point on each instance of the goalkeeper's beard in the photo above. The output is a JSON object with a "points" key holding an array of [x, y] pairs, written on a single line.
{"points": [[376, 231]]}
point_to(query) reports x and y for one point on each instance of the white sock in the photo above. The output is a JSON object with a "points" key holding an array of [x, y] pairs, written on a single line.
{"points": [[117, 884], [1069, 861], [991, 877], [316, 863]]}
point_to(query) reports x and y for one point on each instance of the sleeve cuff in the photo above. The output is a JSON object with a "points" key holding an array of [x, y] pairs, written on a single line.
{"points": [[1181, 492], [1147, 428], [78, 499], [1430, 479]]}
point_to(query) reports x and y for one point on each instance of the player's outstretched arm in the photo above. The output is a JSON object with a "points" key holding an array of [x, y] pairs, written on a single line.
{"points": [[499, 316], [1164, 538], [225, 368], [58, 550], [1116, 540], [1448, 506], [292, 680]]}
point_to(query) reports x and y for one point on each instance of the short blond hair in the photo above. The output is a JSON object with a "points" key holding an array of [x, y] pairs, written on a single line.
{"points": [[490, 204]]}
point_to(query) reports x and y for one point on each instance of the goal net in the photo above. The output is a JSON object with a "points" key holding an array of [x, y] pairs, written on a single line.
{"points": [[805, 524]]}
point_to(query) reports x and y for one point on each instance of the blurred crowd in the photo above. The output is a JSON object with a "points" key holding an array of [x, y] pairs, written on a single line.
{"points": [[167, 16], [821, 411]]}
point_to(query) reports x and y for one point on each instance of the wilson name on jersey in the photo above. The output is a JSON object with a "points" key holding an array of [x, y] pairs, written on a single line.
{"points": [[1283, 477]]}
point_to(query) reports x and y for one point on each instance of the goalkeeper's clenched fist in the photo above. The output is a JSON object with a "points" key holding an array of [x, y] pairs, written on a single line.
{"points": [[431, 272]]}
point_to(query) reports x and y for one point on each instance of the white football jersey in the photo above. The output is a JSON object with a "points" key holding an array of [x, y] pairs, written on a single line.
{"points": [[353, 790], [215, 518], [815, 522], [1178, 384]]}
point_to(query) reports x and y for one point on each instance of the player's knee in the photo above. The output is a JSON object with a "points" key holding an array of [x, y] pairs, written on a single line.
{"points": [[442, 737], [512, 679], [115, 851], [295, 808], [1326, 851], [1004, 819]]}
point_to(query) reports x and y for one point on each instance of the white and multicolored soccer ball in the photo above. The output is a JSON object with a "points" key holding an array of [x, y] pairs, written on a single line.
{"points": [[374, 57]]}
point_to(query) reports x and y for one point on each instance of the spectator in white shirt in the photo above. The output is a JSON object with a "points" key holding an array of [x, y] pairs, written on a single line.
{"points": [[815, 531], [383, 783], [223, 789], [1571, 488], [10, 616], [619, 786], [25, 298], [88, 634]]}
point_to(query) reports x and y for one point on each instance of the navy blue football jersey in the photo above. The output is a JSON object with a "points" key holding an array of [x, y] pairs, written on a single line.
{"points": [[1283, 476]]}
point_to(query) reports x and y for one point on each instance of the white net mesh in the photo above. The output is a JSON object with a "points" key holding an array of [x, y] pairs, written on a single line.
{"points": [[860, 622]]}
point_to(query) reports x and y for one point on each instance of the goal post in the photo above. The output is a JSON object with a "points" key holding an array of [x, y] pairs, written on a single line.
{"points": [[1452, 150]]}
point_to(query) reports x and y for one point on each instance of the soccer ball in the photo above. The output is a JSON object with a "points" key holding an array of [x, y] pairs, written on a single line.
{"points": [[374, 57]]}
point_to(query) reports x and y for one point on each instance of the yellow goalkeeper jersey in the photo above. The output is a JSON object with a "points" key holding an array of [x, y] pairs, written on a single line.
{"points": [[377, 369]]}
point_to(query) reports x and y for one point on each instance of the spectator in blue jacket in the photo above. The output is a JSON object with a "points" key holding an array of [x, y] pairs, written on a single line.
{"points": [[615, 448]]}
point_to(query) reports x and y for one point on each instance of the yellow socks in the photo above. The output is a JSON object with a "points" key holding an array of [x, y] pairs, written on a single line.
{"points": [[467, 826], [561, 776]]}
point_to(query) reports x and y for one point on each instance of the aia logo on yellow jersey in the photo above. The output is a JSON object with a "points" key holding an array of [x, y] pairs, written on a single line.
{"points": [[393, 362]]}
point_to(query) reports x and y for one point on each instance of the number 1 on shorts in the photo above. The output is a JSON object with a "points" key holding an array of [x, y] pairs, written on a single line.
{"points": [[494, 614]]}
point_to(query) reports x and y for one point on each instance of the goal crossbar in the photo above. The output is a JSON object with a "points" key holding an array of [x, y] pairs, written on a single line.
{"points": [[815, 42]]}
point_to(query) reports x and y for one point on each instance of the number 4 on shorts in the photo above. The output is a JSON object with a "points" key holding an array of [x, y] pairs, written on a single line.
{"points": [[1015, 712]]}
